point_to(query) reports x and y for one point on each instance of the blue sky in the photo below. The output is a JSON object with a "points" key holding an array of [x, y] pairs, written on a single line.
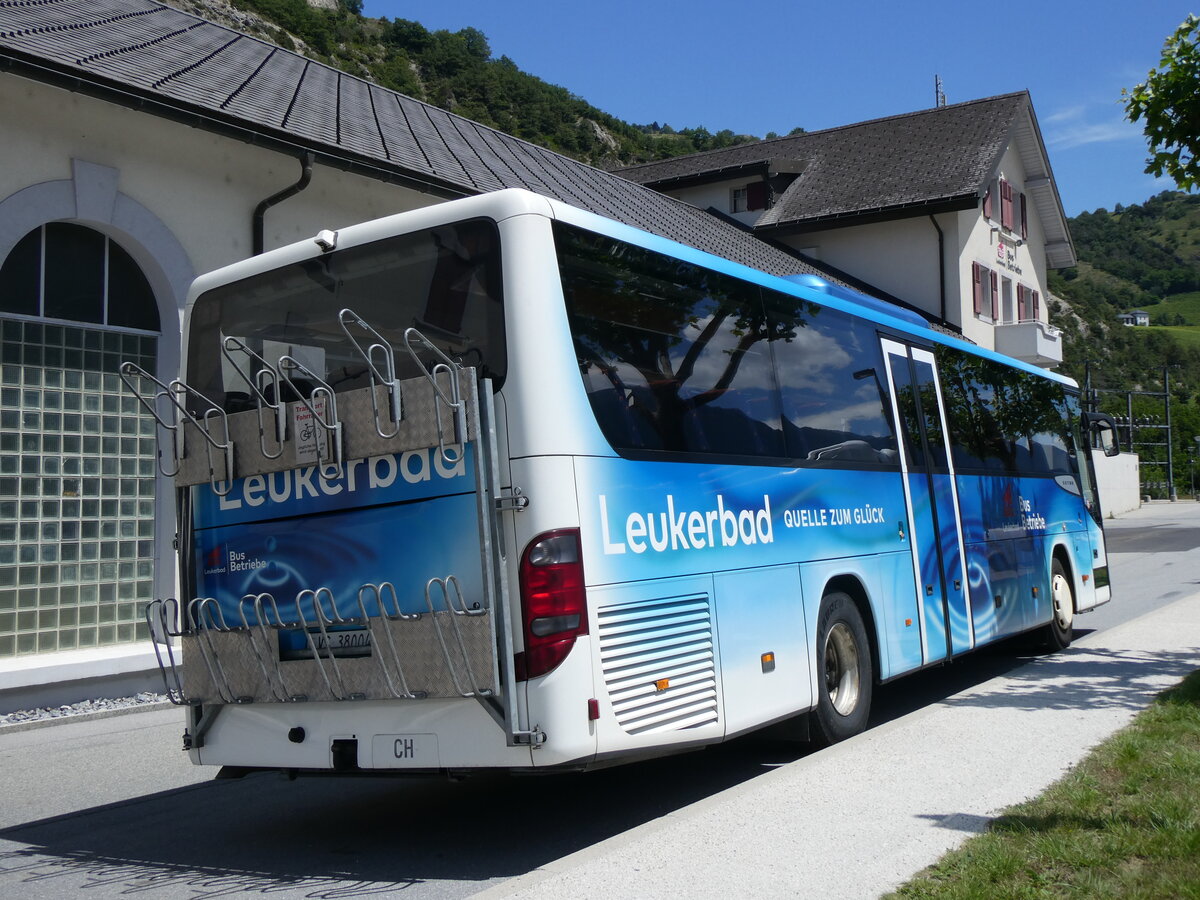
{"points": [[769, 65]]}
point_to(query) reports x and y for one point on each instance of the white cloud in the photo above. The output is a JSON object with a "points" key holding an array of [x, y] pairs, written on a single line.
{"points": [[1077, 126], [1070, 114]]}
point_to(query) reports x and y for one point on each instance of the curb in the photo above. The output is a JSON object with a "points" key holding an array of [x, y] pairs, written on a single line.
{"points": [[86, 716]]}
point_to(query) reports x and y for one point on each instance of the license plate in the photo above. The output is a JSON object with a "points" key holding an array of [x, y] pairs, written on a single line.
{"points": [[405, 751], [339, 642]]}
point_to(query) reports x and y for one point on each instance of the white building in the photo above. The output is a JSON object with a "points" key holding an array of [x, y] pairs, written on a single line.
{"points": [[953, 210], [1138, 317]]}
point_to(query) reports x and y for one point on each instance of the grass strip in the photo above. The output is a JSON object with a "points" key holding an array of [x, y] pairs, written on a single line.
{"points": [[1123, 823]]}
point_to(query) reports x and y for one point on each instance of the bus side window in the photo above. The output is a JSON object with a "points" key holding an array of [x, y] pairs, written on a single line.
{"points": [[833, 399], [691, 347]]}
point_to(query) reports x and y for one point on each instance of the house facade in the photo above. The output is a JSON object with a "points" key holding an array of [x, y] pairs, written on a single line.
{"points": [[952, 210], [1137, 317]]}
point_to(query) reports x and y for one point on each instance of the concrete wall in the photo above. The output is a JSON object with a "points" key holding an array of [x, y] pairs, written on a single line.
{"points": [[718, 196], [203, 187], [900, 256], [1118, 480]]}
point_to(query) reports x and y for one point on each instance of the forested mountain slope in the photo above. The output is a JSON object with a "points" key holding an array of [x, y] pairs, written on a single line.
{"points": [[1145, 256], [456, 71]]}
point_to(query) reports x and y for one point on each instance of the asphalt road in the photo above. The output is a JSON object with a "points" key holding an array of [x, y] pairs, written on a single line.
{"points": [[112, 806]]}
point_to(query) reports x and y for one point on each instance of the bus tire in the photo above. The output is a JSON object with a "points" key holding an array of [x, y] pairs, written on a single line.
{"points": [[1058, 633], [844, 671]]}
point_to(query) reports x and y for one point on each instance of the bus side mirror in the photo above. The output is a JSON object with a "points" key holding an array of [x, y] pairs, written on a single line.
{"points": [[1102, 432]]}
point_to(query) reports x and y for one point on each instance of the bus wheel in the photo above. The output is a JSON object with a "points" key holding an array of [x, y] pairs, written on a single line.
{"points": [[1059, 632], [844, 673]]}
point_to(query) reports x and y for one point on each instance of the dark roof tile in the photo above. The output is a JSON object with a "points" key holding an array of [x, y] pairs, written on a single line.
{"points": [[913, 159]]}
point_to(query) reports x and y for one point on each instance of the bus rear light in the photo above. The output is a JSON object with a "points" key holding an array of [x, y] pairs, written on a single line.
{"points": [[553, 606]]}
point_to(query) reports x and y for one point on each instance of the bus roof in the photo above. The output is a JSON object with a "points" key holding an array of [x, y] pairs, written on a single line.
{"points": [[511, 202]]}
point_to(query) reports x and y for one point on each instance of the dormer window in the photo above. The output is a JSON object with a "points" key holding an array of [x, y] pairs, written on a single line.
{"points": [[750, 198]]}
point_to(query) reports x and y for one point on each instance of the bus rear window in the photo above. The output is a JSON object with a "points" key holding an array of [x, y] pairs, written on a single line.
{"points": [[445, 282]]}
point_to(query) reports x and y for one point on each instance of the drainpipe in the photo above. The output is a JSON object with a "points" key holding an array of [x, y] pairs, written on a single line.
{"points": [[941, 266], [260, 212]]}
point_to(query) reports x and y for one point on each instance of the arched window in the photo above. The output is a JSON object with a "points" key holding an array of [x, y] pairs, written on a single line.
{"points": [[65, 271], [77, 453]]}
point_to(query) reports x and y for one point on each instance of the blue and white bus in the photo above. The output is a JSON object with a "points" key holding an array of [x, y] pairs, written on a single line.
{"points": [[501, 484]]}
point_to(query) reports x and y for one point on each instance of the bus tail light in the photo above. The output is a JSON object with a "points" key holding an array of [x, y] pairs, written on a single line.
{"points": [[553, 608]]}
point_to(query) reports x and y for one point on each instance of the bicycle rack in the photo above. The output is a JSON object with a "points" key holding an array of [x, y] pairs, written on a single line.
{"points": [[266, 377], [387, 377], [446, 366], [427, 641], [221, 658], [387, 589], [321, 403], [176, 393]]}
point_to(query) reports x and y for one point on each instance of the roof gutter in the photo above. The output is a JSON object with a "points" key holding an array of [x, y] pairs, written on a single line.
{"points": [[878, 214], [765, 167], [258, 225], [941, 264], [227, 126]]}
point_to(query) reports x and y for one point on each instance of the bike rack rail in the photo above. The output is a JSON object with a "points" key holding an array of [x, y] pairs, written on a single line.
{"points": [[261, 648]]}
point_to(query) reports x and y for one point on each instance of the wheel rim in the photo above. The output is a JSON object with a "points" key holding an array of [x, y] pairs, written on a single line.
{"points": [[841, 669], [1064, 605]]}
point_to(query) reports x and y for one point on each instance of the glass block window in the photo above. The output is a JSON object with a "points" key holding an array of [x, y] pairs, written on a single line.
{"points": [[77, 451], [77, 467]]}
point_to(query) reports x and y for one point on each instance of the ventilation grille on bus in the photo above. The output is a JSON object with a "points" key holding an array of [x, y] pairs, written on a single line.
{"points": [[657, 657]]}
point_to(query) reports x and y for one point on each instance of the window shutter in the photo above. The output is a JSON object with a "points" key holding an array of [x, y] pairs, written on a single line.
{"points": [[1006, 205], [1021, 303], [1024, 218], [977, 286], [987, 203], [756, 195], [995, 296], [1037, 305]]}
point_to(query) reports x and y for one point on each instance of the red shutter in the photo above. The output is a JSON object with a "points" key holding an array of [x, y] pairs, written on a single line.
{"points": [[1006, 205], [756, 195], [977, 286], [1037, 305], [1024, 219], [1021, 303], [995, 296], [987, 203]]}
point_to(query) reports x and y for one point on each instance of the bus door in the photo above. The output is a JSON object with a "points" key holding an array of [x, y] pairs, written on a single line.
{"points": [[934, 519]]}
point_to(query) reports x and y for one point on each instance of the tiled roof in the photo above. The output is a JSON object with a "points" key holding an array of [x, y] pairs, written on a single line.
{"points": [[936, 156], [151, 56]]}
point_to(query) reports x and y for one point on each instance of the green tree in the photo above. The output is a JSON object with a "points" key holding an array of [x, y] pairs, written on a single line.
{"points": [[1168, 103]]}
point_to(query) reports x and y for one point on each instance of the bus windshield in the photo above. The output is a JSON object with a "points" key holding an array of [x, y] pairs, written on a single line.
{"points": [[445, 282]]}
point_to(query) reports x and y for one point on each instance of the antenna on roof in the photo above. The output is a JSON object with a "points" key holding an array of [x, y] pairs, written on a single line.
{"points": [[939, 96]]}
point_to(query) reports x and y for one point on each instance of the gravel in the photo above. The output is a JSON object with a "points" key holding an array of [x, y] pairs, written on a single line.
{"points": [[98, 708]]}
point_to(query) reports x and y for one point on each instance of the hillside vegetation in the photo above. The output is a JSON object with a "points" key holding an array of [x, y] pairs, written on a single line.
{"points": [[456, 71], [1145, 256]]}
